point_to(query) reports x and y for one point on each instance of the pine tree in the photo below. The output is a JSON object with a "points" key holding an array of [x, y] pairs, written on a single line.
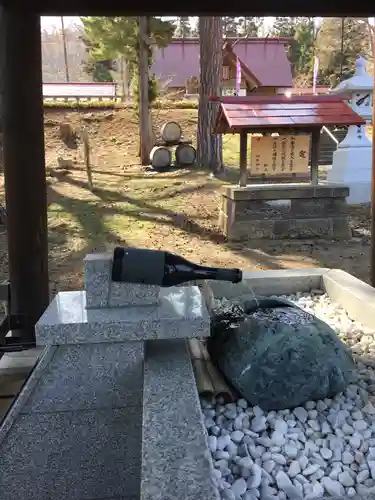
{"points": [[302, 48], [209, 151], [284, 26], [107, 38], [230, 26], [183, 29], [354, 42], [250, 26]]}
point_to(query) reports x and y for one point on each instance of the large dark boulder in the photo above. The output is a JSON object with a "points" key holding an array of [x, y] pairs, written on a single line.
{"points": [[277, 355]]}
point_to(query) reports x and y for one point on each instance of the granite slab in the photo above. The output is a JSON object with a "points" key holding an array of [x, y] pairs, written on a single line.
{"points": [[89, 376], [181, 313], [176, 462], [75, 455], [102, 292], [283, 281]]}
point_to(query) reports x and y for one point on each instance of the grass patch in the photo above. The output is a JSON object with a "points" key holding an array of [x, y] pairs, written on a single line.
{"points": [[74, 104]]}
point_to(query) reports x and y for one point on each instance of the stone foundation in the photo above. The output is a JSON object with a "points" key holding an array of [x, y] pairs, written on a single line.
{"points": [[280, 211]]}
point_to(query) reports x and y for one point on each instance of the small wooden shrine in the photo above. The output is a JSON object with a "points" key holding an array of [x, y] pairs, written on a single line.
{"points": [[285, 117], [286, 129]]}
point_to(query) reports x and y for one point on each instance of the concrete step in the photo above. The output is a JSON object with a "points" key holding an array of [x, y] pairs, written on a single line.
{"points": [[176, 462], [80, 408], [15, 363]]}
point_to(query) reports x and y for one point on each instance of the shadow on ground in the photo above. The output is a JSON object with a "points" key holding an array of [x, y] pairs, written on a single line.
{"points": [[352, 256]]}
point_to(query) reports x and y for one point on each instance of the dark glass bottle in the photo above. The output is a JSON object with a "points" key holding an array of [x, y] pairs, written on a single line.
{"points": [[156, 267]]}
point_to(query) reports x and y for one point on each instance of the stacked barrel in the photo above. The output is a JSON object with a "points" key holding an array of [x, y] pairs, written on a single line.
{"points": [[161, 156]]}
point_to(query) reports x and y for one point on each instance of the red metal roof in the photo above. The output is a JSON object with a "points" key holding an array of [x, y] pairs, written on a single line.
{"points": [[280, 111], [266, 58]]}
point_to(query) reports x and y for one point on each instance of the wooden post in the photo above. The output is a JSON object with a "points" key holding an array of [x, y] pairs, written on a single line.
{"points": [[144, 105], [243, 158], [372, 255], [24, 167], [86, 152], [315, 142]]}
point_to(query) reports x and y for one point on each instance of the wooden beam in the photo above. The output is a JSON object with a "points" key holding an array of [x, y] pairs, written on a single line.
{"points": [[315, 142], [24, 167], [243, 158]]}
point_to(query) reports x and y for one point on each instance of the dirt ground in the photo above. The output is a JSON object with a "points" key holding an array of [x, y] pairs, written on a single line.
{"points": [[177, 211]]}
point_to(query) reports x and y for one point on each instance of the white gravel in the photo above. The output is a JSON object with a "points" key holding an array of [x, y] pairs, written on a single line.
{"points": [[326, 448]]}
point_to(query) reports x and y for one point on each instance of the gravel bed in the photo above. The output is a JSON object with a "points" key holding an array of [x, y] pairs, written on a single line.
{"points": [[324, 449]]}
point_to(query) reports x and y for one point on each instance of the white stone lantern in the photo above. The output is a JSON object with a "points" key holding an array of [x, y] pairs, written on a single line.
{"points": [[351, 164]]}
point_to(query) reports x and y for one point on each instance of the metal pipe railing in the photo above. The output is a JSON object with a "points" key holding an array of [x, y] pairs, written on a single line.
{"points": [[330, 135]]}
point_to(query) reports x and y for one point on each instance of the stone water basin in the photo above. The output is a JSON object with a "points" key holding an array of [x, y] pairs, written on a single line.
{"points": [[110, 418], [335, 458]]}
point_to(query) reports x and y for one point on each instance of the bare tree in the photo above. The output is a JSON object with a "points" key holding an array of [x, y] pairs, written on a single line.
{"points": [[209, 150]]}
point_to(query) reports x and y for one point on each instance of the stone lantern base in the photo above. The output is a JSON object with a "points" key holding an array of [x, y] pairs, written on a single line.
{"points": [[352, 167]]}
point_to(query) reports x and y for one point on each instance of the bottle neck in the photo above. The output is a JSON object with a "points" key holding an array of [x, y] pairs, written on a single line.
{"points": [[218, 274]]}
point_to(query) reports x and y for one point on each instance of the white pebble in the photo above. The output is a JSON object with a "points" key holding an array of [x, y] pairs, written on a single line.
{"points": [[212, 443], [285, 484], [345, 479], [269, 465], [355, 441], [279, 459], [228, 494], [326, 453], [369, 409], [291, 450], [281, 426], [363, 475], [239, 487], [311, 469], [255, 478], [222, 442], [360, 425], [248, 495], [303, 462], [242, 403], [301, 414], [347, 458], [294, 469], [317, 492], [259, 424], [237, 436], [332, 487]]}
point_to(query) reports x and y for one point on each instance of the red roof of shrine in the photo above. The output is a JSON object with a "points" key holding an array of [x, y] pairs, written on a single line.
{"points": [[252, 112]]}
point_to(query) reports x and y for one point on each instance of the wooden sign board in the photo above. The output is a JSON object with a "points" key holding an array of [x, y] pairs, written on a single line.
{"points": [[280, 155]]}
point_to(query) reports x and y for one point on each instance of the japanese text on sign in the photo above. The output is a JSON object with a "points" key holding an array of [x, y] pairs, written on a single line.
{"points": [[284, 155]]}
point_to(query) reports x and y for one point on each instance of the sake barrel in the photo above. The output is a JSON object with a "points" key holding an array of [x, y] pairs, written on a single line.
{"points": [[160, 157], [171, 132], [185, 155]]}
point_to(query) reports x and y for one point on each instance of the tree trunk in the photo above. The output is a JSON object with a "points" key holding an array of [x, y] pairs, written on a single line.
{"points": [[144, 104], [209, 150]]}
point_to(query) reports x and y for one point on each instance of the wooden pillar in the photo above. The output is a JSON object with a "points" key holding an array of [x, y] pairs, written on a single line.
{"points": [[24, 167], [315, 142], [372, 212], [243, 158]]}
